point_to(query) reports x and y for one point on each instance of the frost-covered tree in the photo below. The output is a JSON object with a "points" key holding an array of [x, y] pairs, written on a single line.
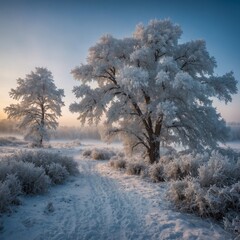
{"points": [[39, 107], [153, 89]]}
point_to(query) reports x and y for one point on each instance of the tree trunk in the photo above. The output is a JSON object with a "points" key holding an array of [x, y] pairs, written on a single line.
{"points": [[154, 142], [154, 152], [42, 125]]}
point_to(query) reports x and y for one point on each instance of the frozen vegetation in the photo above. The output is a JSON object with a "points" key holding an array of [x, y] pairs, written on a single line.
{"points": [[207, 185], [98, 154], [31, 172], [121, 198]]}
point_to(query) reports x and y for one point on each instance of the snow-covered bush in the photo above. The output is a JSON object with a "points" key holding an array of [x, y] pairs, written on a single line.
{"points": [[10, 189], [87, 153], [57, 173], [32, 173], [65, 161], [14, 186], [44, 159], [118, 163], [5, 169], [187, 195], [135, 168], [33, 179], [218, 170], [172, 171], [215, 192], [232, 224], [223, 200], [181, 165], [176, 192], [5, 197], [98, 154], [190, 163], [156, 172]]}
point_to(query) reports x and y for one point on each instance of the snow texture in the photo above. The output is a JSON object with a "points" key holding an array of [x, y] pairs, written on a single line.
{"points": [[102, 203]]}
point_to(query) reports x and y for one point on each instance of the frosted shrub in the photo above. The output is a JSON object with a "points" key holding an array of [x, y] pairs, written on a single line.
{"points": [[102, 154], [68, 162], [87, 153], [218, 170], [194, 198], [9, 191], [57, 173], [172, 171], [188, 196], [98, 154], [189, 164], [218, 201], [121, 163], [135, 168], [25, 172], [156, 172], [44, 159], [224, 200], [176, 192], [182, 165], [213, 201], [14, 186], [33, 179], [232, 224], [5, 197], [5, 169], [118, 163], [210, 186]]}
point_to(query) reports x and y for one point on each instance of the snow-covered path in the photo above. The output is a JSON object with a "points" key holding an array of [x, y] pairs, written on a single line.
{"points": [[105, 204]]}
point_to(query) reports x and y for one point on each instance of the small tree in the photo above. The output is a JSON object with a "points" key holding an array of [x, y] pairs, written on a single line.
{"points": [[153, 89], [39, 107]]}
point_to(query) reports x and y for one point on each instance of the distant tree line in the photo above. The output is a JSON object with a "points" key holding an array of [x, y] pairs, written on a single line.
{"points": [[62, 132]]}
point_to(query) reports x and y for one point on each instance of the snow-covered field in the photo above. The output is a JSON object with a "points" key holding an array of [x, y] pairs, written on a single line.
{"points": [[102, 203]]}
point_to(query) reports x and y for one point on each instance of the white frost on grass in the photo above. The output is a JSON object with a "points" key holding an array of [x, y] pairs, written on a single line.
{"points": [[102, 203]]}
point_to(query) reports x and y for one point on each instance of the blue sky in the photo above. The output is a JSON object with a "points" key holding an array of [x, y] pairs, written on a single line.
{"points": [[57, 34]]}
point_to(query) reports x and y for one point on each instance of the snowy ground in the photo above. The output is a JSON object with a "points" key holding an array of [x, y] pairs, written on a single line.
{"points": [[102, 203]]}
